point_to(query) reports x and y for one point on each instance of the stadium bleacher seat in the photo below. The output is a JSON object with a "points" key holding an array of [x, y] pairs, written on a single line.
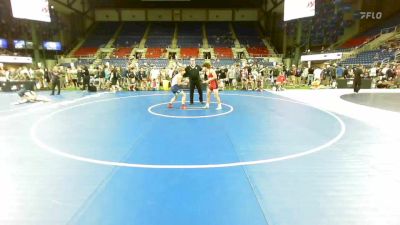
{"points": [[189, 52], [249, 37], [160, 35], [85, 52], [222, 52], [155, 53], [190, 35], [97, 39], [368, 57], [257, 51], [122, 52], [131, 34], [325, 27], [219, 34]]}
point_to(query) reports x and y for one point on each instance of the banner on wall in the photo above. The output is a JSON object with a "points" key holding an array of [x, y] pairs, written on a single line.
{"points": [[31, 9], [322, 57], [295, 9], [15, 59], [3, 43]]}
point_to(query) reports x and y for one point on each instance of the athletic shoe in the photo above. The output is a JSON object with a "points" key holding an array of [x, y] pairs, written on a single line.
{"points": [[183, 107], [207, 106], [170, 106], [219, 107]]}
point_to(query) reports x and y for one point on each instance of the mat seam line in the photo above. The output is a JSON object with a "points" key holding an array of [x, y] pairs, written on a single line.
{"points": [[249, 182]]}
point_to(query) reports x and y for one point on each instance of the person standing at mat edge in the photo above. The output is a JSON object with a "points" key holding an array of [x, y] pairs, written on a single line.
{"points": [[86, 78], [193, 72], [357, 79], [55, 81]]}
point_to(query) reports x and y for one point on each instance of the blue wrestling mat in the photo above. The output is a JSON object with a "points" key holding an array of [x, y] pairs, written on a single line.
{"points": [[126, 158]]}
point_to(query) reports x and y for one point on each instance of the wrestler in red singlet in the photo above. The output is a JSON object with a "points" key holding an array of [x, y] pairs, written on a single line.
{"points": [[213, 84]]}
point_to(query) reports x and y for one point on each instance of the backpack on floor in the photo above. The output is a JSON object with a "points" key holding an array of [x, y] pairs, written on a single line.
{"points": [[92, 88]]}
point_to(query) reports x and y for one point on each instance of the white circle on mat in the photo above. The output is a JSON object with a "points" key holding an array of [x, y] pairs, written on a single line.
{"points": [[44, 146], [151, 110]]}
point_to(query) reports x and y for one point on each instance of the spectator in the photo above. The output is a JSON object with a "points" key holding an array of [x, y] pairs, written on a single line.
{"points": [[55, 81], [358, 72], [339, 71], [317, 73], [86, 78]]}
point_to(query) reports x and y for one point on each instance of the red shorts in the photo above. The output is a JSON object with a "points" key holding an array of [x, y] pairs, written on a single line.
{"points": [[213, 85]]}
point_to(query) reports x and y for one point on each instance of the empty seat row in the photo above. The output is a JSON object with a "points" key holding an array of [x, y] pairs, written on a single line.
{"points": [[223, 52], [257, 51], [122, 52], [155, 53], [189, 52]]}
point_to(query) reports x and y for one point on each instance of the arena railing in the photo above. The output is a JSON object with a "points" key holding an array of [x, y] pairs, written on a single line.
{"points": [[385, 61], [383, 31], [258, 55], [365, 47], [389, 29], [397, 55]]}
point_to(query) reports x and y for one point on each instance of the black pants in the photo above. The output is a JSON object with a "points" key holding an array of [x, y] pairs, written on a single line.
{"points": [[86, 83], [54, 83], [75, 82], [357, 84], [197, 84]]}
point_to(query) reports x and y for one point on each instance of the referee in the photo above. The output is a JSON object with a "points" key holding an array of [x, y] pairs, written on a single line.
{"points": [[193, 72]]}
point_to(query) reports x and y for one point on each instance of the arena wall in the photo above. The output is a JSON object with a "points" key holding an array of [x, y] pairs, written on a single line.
{"points": [[177, 14]]}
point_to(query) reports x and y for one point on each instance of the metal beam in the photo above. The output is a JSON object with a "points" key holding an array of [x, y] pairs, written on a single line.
{"points": [[68, 6], [71, 2], [276, 3], [87, 11], [265, 5]]}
